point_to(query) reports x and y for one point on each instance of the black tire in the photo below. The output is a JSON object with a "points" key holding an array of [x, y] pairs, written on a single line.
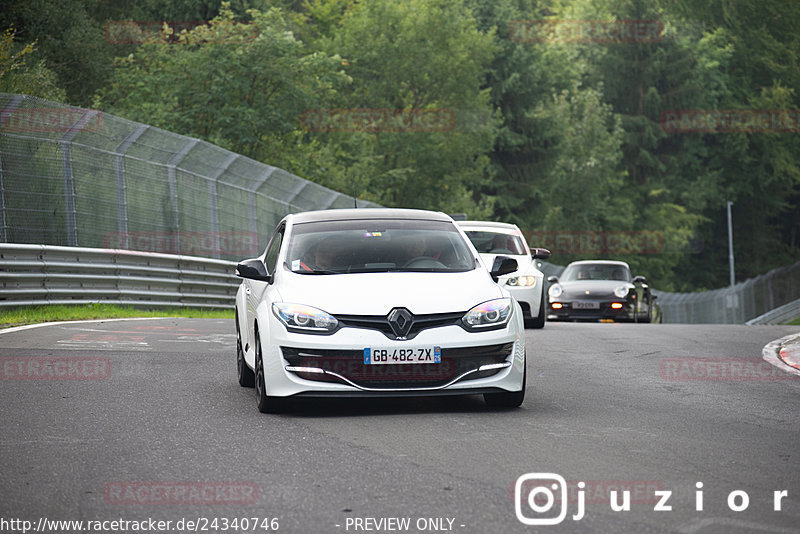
{"points": [[245, 375], [510, 399], [538, 321], [266, 404]]}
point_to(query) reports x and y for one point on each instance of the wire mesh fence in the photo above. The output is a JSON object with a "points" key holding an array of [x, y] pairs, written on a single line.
{"points": [[744, 302], [738, 304], [78, 177]]}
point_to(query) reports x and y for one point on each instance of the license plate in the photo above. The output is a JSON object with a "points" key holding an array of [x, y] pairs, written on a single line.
{"points": [[397, 356], [587, 305]]}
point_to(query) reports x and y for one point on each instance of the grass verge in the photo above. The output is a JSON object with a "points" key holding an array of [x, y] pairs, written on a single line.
{"points": [[22, 315], [795, 322]]}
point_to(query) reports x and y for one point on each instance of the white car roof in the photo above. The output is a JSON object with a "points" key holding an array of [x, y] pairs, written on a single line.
{"points": [[352, 214], [504, 228], [600, 262]]}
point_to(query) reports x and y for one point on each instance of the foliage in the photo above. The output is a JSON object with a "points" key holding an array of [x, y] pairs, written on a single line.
{"points": [[549, 134], [22, 315], [17, 75], [71, 43]]}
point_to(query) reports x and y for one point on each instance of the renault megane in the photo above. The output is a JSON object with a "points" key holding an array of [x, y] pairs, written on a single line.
{"points": [[376, 302]]}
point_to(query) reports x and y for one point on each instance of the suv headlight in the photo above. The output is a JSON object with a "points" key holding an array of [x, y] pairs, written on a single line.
{"points": [[555, 291], [488, 315], [621, 292], [521, 281], [304, 319]]}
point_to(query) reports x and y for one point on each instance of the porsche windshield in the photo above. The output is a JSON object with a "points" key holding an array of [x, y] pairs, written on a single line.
{"points": [[382, 245], [595, 271]]}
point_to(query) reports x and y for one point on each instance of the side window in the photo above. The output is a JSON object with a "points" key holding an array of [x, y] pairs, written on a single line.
{"points": [[271, 259]]}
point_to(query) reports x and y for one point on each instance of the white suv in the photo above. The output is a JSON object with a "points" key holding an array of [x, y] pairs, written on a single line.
{"points": [[493, 239]]}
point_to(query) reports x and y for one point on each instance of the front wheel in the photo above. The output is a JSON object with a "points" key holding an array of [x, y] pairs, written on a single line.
{"points": [[539, 320], [244, 374], [266, 404], [510, 399]]}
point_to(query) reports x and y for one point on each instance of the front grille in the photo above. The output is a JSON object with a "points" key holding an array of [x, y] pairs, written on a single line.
{"points": [[350, 364], [418, 322]]}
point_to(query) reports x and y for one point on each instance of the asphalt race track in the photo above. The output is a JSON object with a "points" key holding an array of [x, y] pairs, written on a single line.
{"points": [[143, 419]]}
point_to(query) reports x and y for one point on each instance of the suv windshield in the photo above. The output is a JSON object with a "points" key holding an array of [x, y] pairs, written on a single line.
{"points": [[383, 245], [496, 242], [595, 271]]}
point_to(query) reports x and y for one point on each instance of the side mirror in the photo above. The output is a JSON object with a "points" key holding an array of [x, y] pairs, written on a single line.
{"points": [[253, 269], [503, 265], [552, 279], [540, 253], [639, 280]]}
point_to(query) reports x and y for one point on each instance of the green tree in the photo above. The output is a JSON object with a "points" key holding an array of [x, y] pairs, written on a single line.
{"points": [[412, 56], [243, 86], [19, 74], [70, 42], [758, 171], [524, 77]]}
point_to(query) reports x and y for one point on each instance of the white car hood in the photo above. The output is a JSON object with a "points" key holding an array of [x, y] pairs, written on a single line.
{"points": [[378, 293]]}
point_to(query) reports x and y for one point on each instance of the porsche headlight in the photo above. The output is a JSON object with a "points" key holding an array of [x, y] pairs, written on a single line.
{"points": [[305, 319], [555, 291], [488, 315], [621, 292], [521, 281]]}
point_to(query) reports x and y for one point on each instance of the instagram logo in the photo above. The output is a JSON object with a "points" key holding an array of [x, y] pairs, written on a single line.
{"points": [[540, 499]]}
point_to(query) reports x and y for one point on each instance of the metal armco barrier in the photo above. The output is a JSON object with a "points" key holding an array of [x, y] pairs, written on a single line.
{"points": [[44, 274]]}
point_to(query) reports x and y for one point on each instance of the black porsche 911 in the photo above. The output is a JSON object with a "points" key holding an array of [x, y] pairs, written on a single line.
{"points": [[601, 290]]}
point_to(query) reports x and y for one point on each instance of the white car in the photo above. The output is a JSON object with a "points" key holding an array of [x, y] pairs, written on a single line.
{"points": [[527, 285], [376, 302]]}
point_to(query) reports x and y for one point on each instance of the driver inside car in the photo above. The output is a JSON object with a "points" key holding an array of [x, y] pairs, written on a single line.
{"points": [[322, 257]]}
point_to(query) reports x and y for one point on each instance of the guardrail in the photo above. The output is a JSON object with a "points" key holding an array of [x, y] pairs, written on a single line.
{"points": [[45, 274], [780, 315]]}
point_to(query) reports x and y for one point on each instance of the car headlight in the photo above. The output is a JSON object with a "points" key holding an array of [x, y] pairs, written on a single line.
{"points": [[521, 281], [304, 319], [555, 291], [621, 292], [488, 315]]}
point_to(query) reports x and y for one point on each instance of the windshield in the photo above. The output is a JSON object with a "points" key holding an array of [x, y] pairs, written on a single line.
{"points": [[596, 271], [487, 242], [377, 246]]}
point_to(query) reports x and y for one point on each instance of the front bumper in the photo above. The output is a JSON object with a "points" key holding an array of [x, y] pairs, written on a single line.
{"points": [[313, 365], [529, 297], [604, 311]]}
